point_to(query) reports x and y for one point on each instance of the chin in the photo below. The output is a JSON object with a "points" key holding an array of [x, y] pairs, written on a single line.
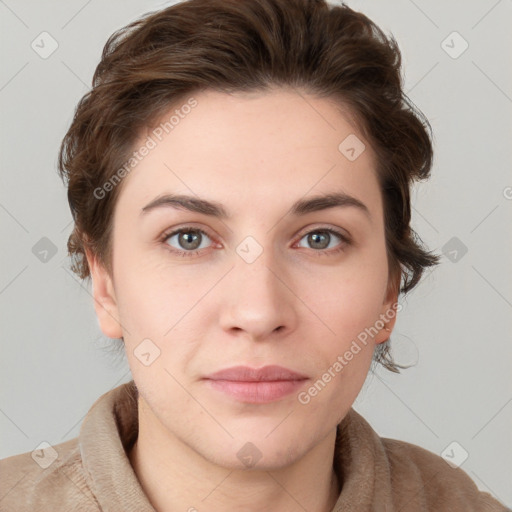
{"points": [[248, 456], [263, 446]]}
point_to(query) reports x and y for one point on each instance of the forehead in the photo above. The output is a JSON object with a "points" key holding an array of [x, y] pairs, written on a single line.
{"points": [[269, 147]]}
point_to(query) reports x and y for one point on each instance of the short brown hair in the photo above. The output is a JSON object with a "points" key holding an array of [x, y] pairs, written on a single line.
{"points": [[247, 45]]}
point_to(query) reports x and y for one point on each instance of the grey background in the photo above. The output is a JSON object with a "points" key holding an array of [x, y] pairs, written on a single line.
{"points": [[456, 325]]}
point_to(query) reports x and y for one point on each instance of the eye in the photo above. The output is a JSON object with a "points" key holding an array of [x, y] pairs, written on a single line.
{"points": [[320, 239], [189, 240]]}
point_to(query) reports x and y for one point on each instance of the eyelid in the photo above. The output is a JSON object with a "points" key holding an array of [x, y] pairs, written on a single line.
{"points": [[167, 233], [343, 233]]}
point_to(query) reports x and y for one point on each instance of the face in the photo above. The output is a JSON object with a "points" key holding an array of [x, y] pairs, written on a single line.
{"points": [[279, 280]]}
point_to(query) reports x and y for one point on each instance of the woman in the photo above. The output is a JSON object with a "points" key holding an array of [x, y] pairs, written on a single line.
{"points": [[239, 178]]}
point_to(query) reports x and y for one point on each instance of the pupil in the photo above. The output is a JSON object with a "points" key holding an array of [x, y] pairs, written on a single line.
{"points": [[191, 234], [316, 238]]}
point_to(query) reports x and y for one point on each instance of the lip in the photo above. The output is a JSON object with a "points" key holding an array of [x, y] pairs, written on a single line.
{"points": [[256, 385]]}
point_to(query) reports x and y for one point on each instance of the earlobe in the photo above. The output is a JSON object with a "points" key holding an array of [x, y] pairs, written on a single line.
{"points": [[388, 314], [105, 303]]}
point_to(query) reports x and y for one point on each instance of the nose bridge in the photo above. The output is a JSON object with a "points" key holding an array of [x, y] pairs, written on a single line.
{"points": [[256, 267], [257, 300]]}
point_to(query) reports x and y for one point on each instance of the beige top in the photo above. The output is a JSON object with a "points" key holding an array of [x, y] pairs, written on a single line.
{"points": [[93, 473]]}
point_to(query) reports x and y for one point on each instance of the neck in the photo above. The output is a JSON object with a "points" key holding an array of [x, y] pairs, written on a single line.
{"points": [[175, 477]]}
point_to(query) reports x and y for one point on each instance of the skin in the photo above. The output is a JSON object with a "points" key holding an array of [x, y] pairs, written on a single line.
{"points": [[297, 305]]}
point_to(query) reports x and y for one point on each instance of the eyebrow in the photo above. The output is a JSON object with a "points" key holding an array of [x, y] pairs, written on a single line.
{"points": [[215, 209]]}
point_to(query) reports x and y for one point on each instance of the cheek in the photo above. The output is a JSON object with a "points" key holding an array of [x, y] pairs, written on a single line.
{"points": [[151, 297], [145, 310], [350, 295], [161, 308]]}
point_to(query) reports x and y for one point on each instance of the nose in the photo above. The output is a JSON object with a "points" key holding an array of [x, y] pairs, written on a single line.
{"points": [[257, 299]]}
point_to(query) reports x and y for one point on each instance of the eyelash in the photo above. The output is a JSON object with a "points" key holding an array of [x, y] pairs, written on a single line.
{"points": [[187, 254]]}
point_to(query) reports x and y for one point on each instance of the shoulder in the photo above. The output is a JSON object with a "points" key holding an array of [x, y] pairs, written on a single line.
{"points": [[443, 487], [45, 479]]}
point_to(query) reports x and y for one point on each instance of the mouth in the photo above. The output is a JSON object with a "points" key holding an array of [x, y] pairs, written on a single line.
{"points": [[256, 385]]}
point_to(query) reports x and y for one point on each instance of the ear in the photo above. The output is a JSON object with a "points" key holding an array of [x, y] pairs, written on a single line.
{"points": [[389, 310], [105, 303]]}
